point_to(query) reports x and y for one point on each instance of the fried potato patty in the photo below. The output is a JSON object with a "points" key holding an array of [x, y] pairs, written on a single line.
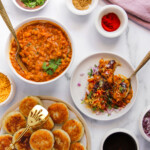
{"points": [[62, 140], [58, 112], [5, 141], [75, 129], [28, 103], [23, 144], [42, 140], [77, 146], [13, 122]]}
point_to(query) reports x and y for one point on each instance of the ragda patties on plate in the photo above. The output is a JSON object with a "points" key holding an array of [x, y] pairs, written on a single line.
{"points": [[13, 122], [28, 103], [23, 144], [42, 140], [62, 140], [77, 146], [5, 141], [75, 129], [58, 112]]}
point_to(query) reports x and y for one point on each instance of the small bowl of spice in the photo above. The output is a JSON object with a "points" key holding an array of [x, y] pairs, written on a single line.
{"points": [[144, 124], [7, 89], [111, 21], [81, 7], [30, 5], [119, 139]]}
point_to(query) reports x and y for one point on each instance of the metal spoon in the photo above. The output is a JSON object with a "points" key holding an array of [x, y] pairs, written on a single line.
{"points": [[37, 116], [10, 27]]}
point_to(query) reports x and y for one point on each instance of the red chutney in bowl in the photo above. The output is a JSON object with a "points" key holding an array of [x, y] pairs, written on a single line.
{"points": [[46, 51]]}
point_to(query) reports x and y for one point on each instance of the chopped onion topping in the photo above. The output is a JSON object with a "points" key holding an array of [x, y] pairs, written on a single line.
{"points": [[146, 123]]}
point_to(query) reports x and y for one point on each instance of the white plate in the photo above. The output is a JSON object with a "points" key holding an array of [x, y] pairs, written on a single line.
{"points": [[78, 93]]}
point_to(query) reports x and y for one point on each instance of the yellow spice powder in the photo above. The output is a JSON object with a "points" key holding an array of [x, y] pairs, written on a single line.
{"points": [[81, 4], [5, 87]]}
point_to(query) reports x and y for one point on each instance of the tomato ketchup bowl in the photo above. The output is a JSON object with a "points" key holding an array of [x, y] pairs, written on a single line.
{"points": [[111, 21], [46, 45]]}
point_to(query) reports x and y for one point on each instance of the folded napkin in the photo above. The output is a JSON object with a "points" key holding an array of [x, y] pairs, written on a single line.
{"points": [[138, 10]]}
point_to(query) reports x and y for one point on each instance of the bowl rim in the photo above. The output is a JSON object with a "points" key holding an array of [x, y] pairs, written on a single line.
{"points": [[82, 12], [117, 32], [30, 10], [146, 109], [116, 130], [103, 52], [12, 91], [34, 19]]}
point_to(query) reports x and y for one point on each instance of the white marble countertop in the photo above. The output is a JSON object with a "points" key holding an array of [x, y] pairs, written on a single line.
{"points": [[132, 45]]}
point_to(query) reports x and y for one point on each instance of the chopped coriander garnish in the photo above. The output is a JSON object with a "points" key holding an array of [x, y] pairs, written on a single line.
{"points": [[121, 89], [90, 94], [53, 65], [109, 107], [116, 107], [123, 80], [82, 102], [101, 110], [33, 3], [94, 108], [90, 73]]}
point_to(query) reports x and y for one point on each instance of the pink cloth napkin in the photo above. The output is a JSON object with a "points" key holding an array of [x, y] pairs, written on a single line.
{"points": [[138, 10]]}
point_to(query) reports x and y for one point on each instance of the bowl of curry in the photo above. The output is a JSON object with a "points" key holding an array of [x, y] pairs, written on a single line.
{"points": [[46, 50]]}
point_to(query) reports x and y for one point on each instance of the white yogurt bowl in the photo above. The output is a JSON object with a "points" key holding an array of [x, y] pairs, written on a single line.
{"points": [[122, 15], [29, 9], [141, 123], [12, 91], [76, 11], [8, 49], [119, 130]]}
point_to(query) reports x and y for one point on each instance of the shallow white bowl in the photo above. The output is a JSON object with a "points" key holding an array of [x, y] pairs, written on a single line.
{"points": [[12, 92], [81, 12], [119, 12], [30, 10], [8, 49], [141, 123], [78, 93], [116, 130]]}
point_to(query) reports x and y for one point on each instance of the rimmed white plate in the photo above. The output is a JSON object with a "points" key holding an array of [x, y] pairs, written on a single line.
{"points": [[80, 75]]}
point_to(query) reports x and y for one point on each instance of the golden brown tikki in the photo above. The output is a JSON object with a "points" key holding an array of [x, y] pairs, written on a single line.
{"points": [[23, 144], [42, 140], [77, 146], [5, 141], [28, 103], [13, 122], [75, 129], [58, 112], [62, 140]]}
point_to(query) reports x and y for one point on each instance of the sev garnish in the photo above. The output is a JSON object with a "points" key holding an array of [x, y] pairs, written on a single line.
{"points": [[5, 87], [81, 4]]}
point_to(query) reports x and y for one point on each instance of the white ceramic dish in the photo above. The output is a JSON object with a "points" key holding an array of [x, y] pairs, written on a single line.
{"points": [[116, 131], [8, 48], [119, 12], [141, 123], [30, 10], [78, 93], [81, 12], [12, 92]]}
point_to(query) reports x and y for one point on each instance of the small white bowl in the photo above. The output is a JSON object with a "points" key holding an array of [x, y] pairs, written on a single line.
{"points": [[120, 13], [30, 10], [8, 49], [12, 92], [72, 8], [116, 130], [141, 123]]}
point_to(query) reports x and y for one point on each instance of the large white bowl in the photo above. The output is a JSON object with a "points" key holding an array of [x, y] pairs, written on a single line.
{"points": [[122, 17], [12, 91], [81, 12], [141, 123], [8, 49], [116, 130], [78, 93], [30, 10]]}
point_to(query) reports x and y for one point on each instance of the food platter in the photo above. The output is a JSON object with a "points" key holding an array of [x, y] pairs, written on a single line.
{"points": [[78, 93], [47, 100]]}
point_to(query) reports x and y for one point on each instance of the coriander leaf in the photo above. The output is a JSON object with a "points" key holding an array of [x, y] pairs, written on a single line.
{"points": [[53, 66], [90, 95], [109, 107], [123, 80], [52, 61], [90, 73], [94, 108], [121, 89], [31, 4], [50, 72], [58, 62], [45, 67], [116, 107]]}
